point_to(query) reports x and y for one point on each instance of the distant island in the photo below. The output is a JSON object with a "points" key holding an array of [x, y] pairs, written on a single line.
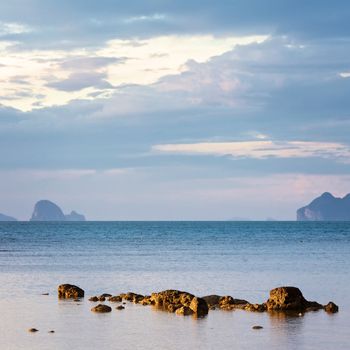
{"points": [[4, 217], [326, 208], [45, 210]]}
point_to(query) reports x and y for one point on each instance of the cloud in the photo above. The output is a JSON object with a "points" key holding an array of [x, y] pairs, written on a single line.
{"points": [[79, 81], [262, 149], [9, 28]]}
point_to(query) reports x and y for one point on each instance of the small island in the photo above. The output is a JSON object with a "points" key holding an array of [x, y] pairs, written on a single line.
{"points": [[326, 208]]}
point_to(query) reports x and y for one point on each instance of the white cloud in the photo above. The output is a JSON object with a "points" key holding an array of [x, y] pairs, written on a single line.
{"points": [[122, 62], [155, 17], [261, 149], [8, 28]]}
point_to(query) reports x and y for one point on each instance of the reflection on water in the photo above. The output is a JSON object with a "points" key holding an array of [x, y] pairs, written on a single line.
{"points": [[244, 260]]}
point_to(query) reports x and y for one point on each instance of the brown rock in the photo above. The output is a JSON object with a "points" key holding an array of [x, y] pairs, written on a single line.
{"points": [[331, 307], [199, 306], [33, 330], [257, 327], [255, 307], [285, 299], [120, 307], [101, 298], [101, 308], [171, 296], [93, 299], [184, 311], [66, 291], [105, 295], [115, 299], [212, 300]]}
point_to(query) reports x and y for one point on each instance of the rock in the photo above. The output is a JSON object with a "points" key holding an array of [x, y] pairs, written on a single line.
{"points": [[212, 300], [331, 307], [74, 216], [45, 210], [77, 300], [146, 300], [229, 303], [257, 327], [289, 299], [66, 291], [93, 299], [255, 307], [4, 217], [326, 208], [33, 330], [105, 295], [101, 308], [101, 298], [171, 296], [51, 331], [120, 307], [45, 294], [184, 311], [199, 306], [115, 299]]}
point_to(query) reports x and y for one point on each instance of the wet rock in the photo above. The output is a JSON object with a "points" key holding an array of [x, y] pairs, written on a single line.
{"points": [[120, 307], [105, 295], [184, 311], [137, 298], [101, 298], [93, 299], [173, 307], [45, 294], [146, 300], [33, 330], [51, 331], [255, 307], [199, 306], [101, 308], [66, 291], [77, 300], [288, 299], [229, 303], [115, 299], [171, 296], [212, 300], [257, 327], [331, 307]]}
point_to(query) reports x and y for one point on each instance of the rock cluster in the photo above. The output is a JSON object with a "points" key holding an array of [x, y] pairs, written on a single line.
{"points": [[281, 299]]}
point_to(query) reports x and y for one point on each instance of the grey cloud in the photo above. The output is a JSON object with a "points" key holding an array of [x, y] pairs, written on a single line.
{"points": [[90, 63], [79, 81], [90, 23]]}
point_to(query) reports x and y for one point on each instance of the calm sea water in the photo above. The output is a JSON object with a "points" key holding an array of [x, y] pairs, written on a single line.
{"points": [[242, 259]]}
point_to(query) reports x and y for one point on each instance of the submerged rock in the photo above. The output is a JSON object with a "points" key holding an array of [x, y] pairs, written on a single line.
{"points": [[257, 327], [101, 308], [120, 307], [33, 330], [66, 291]]}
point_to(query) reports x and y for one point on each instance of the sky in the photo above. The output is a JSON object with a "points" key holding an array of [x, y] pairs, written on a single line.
{"points": [[173, 110]]}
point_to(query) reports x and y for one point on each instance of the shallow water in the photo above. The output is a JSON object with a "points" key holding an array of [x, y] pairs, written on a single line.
{"points": [[242, 259]]}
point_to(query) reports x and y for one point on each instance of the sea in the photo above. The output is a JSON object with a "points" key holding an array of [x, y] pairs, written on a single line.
{"points": [[242, 259]]}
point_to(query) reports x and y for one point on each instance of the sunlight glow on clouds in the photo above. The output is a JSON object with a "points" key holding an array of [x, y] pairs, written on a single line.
{"points": [[56, 77], [262, 149]]}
